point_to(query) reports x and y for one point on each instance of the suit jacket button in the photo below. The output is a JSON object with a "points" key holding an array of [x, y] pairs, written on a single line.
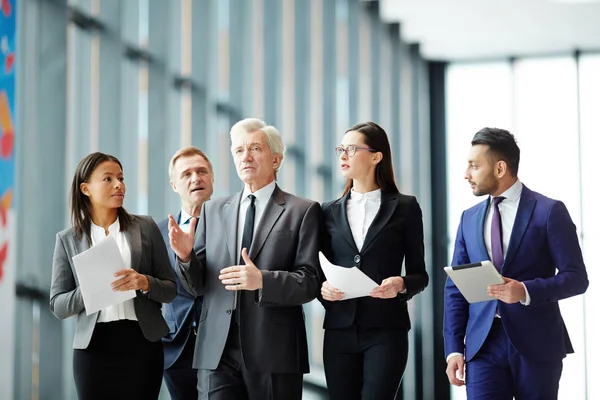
{"points": [[357, 258], [228, 312]]}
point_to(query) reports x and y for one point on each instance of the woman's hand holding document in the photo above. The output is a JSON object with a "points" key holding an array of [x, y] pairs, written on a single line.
{"points": [[96, 268], [349, 282]]}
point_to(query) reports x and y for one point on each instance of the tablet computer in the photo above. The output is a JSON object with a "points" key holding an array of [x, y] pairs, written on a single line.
{"points": [[473, 279]]}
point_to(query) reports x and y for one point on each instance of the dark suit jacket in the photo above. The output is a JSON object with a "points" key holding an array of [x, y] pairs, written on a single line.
{"points": [[179, 314], [148, 257], [395, 236], [285, 248], [543, 240]]}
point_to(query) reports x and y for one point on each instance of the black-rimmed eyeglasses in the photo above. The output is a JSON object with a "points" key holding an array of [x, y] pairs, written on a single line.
{"points": [[350, 150]]}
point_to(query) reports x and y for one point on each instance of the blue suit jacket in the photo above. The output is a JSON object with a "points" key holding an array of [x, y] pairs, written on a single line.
{"points": [[179, 314], [543, 240]]}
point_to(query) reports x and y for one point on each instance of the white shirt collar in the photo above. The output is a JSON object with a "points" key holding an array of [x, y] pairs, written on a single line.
{"points": [[513, 193], [184, 217], [372, 195], [114, 227], [262, 195]]}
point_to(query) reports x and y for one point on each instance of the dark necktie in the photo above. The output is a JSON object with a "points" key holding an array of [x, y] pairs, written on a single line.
{"points": [[248, 227], [497, 251], [246, 242]]}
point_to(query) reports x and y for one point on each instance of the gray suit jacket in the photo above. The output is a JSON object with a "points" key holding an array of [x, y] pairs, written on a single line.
{"points": [[148, 257], [285, 247]]}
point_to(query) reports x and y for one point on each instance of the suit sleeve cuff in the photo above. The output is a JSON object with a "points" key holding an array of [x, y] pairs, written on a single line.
{"points": [[527, 298], [185, 265]]}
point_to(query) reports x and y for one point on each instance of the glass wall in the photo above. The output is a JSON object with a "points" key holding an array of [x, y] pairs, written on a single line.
{"points": [[550, 104], [141, 78]]}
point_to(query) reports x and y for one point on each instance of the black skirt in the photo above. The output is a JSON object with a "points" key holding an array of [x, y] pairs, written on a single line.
{"points": [[119, 363]]}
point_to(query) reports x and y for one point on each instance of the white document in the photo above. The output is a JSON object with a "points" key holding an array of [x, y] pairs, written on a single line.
{"points": [[351, 281], [95, 269], [473, 279]]}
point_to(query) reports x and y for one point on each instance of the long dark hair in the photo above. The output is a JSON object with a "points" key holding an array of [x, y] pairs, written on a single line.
{"points": [[376, 138], [81, 207]]}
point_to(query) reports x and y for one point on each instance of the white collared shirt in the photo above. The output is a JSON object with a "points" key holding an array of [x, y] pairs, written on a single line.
{"points": [[124, 310], [263, 195], [184, 221], [362, 209]]}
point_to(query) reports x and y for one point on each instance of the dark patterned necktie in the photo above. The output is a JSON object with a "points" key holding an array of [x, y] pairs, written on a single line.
{"points": [[497, 251]]}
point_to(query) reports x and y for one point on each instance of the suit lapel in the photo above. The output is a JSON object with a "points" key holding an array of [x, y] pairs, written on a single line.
{"points": [[524, 213], [274, 209], [340, 216], [134, 238], [80, 245], [386, 210], [481, 227], [231, 210]]}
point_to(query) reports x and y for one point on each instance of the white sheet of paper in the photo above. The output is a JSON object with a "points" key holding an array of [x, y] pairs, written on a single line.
{"points": [[352, 281], [95, 270]]}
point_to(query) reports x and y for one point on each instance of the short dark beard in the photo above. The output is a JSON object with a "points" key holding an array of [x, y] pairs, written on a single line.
{"points": [[488, 186]]}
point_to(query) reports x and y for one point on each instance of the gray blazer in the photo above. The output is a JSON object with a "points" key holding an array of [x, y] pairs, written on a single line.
{"points": [[285, 247], [148, 256]]}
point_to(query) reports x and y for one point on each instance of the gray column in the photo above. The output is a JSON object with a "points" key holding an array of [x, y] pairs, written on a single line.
{"points": [[329, 98], [205, 134], [273, 61], [396, 88], [163, 116], [129, 95], [353, 60], [42, 196], [374, 60], [79, 89], [301, 92], [110, 82]]}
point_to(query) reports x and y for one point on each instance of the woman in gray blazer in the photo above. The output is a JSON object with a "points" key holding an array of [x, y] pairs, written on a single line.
{"points": [[118, 352]]}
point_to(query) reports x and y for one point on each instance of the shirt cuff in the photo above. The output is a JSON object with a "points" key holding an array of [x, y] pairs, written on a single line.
{"points": [[452, 355], [186, 264], [403, 292], [527, 298]]}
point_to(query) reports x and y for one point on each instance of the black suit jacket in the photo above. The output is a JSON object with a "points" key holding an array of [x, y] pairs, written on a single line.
{"points": [[394, 237]]}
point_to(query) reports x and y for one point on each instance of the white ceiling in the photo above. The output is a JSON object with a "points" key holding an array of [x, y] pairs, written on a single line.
{"points": [[475, 29]]}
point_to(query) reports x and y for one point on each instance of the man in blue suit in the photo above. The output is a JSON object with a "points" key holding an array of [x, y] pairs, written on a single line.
{"points": [[513, 346], [192, 178]]}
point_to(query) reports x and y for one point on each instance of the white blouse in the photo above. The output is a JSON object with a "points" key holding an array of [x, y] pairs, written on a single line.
{"points": [[362, 209], [124, 310]]}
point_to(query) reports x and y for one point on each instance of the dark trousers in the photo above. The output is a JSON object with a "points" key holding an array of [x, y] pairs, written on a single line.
{"points": [[499, 372], [119, 363], [181, 378], [232, 381], [365, 364]]}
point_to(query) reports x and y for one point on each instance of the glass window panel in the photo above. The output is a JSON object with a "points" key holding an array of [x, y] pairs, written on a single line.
{"points": [[477, 95], [547, 132], [590, 192]]}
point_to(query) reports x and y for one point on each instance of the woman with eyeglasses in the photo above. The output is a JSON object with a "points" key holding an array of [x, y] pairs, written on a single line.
{"points": [[375, 228]]}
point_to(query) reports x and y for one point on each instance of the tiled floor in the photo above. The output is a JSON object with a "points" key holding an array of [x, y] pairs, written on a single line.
{"points": [[307, 394]]}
